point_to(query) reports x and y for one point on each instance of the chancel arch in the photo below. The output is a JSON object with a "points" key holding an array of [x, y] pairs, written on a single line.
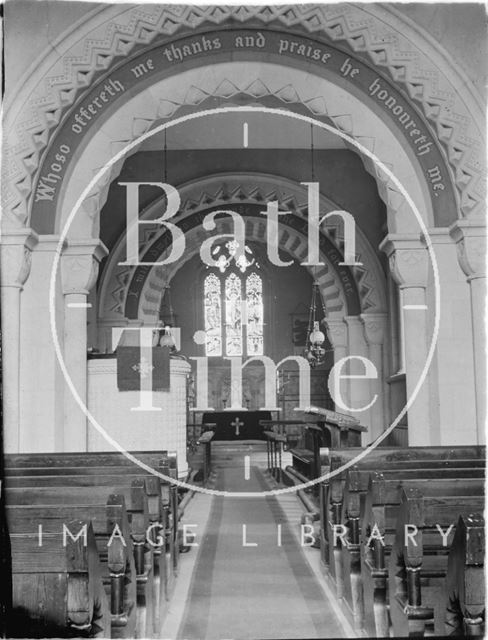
{"points": [[316, 174], [253, 191], [398, 86], [325, 25], [258, 84]]}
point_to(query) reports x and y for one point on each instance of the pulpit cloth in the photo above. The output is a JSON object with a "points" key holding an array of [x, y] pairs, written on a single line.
{"points": [[132, 366]]}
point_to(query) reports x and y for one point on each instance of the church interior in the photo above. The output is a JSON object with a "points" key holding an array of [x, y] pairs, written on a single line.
{"points": [[243, 286]]}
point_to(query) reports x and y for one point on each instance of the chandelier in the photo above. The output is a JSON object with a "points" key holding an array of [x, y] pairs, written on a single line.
{"points": [[314, 351], [224, 261]]}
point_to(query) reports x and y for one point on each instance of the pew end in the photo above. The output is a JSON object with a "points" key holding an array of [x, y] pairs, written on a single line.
{"points": [[57, 587], [465, 581]]}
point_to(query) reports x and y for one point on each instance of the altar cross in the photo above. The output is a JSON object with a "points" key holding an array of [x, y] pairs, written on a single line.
{"points": [[237, 423]]}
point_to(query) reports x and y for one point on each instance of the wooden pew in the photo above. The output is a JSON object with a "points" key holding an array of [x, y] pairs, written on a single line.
{"points": [[465, 580], [136, 499], [418, 567], [412, 461], [5, 566], [57, 588], [101, 462], [206, 441], [111, 529], [390, 454], [84, 459], [117, 478], [331, 491], [332, 494], [379, 519]]}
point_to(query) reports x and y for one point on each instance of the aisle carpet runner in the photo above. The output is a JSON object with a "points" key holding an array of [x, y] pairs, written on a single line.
{"points": [[259, 592]]}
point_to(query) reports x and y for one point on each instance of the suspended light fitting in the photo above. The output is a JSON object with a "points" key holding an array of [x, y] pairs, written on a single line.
{"points": [[314, 352], [167, 320]]}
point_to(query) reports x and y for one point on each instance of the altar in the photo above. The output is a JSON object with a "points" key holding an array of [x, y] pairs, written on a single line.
{"points": [[236, 425]]}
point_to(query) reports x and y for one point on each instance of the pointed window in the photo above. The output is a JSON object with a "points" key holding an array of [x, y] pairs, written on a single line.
{"points": [[234, 309], [213, 316]]}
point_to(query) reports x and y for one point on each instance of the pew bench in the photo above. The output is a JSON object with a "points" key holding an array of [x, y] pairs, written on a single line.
{"points": [[465, 580], [162, 496], [57, 588], [418, 566], [85, 497], [206, 441], [158, 513], [342, 502], [115, 551], [363, 587], [394, 459]]}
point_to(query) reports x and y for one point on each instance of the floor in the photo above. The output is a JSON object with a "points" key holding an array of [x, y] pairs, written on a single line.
{"points": [[242, 581]]}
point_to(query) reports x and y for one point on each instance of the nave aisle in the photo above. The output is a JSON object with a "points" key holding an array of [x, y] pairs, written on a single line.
{"points": [[237, 591]]}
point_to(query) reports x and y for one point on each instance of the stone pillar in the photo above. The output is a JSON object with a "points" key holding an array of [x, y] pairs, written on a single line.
{"points": [[337, 334], [374, 325], [79, 270], [15, 263], [359, 388], [409, 265], [470, 238]]}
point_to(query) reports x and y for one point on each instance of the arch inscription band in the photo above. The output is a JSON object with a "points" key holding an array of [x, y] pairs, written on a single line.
{"points": [[403, 116]]}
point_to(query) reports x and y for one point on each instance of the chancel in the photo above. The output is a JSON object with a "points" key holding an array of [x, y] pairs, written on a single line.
{"points": [[242, 317]]}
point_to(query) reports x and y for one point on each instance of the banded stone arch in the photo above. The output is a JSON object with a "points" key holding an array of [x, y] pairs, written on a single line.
{"points": [[205, 194], [376, 34], [195, 90]]}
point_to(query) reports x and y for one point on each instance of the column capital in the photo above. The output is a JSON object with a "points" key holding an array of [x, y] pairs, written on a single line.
{"points": [[336, 332], [79, 265], [352, 321], [374, 327], [470, 238], [408, 258], [16, 256]]}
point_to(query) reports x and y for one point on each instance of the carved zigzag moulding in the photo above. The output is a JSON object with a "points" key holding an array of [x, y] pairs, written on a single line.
{"points": [[37, 114], [330, 285], [230, 92]]}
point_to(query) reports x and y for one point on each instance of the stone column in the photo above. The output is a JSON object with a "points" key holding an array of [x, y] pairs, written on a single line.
{"points": [[15, 263], [79, 270], [470, 238], [374, 325], [337, 334], [409, 265], [359, 388]]}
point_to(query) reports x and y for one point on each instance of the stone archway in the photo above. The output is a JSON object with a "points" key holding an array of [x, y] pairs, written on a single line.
{"points": [[365, 35], [255, 84], [373, 34], [255, 190], [129, 295]]}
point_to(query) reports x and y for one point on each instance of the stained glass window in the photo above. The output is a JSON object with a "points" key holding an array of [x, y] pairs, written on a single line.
{"points": [[233, 315], [213, 315], [233, 306], [254, 305]]}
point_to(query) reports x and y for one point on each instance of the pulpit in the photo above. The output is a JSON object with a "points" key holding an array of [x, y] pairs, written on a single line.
{"points": [[163, 428], [236, 425]]}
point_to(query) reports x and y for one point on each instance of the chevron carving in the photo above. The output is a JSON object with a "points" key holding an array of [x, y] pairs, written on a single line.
{"points": [[30, 125], [329, 282]]}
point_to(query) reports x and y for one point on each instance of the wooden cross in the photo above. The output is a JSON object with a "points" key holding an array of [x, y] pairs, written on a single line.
{"points": [[237, 423]]}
